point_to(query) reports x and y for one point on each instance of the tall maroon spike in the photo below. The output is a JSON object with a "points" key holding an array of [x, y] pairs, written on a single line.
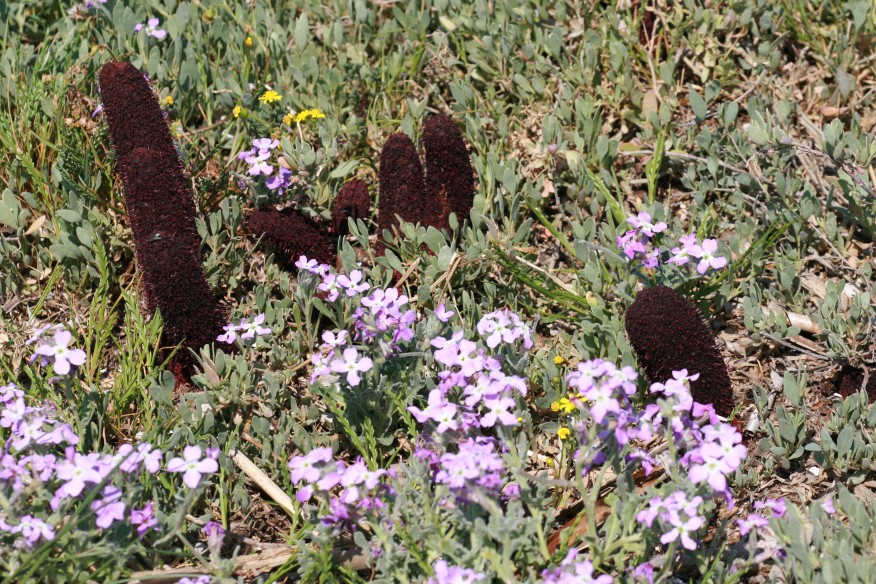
{"points": [[668, 334], [353, 202], [293, 234], [449, 175], [132, 111], [402, 187], [160, 204], [161, 210]]}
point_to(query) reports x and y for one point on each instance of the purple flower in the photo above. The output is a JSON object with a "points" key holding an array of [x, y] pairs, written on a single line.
{"points": [[572, 572], [442, 314], [438, 410], [251, 329], [352, 365], [312, 266], [629, 244], [447, 574], [265, 144], [642, 221], [215, 535], [497, 411], [706, 253], [305, 467], [828, 506], [32, 529], [109, 509], [753, 521], [192, 466], [230, 334], [62, 357], [777, 506], [353, 283], [151, 28], [682, 528], [198, 580], [144, 519], [76, 471]]}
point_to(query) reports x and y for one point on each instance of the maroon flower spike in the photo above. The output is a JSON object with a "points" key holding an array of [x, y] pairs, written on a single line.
{"points": [[161, 210], [449, 175], [668, 334], [353, 202], [293, 234], [849, 380], [132, 111], [402, 187]]}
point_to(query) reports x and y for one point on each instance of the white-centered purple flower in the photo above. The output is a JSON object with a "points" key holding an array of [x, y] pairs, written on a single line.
{"points": [[644, 223], [193, 465], [352, 365], [151, 28], [63, 358], [706, 254], [307, 467]]}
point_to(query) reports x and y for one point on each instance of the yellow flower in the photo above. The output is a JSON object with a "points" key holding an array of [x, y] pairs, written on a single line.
{"points": [[519, 420], [555, 407], [559, 360], [309, 113], [564, 433], [289, 118], [248, 41], [236, 111], [168, 101], [565, 405], [270, 96]]}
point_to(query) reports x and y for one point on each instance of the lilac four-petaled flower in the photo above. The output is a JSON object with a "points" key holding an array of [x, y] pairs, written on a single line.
{"points": [[193, 465]]}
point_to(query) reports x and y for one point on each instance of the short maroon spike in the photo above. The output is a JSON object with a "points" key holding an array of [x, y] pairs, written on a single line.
{"points": [[352, 202], [849, 380], [293, 235], [402, 187], [668, 334], [449, 175], [132, 111], [161, 207]]}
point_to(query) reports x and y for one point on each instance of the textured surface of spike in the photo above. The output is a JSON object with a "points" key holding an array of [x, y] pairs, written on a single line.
{"points": [[134, 117], [352, 202], [292, 234], [668, 334], [449, 174], [849, 380], [402, 186], [161, 208]]}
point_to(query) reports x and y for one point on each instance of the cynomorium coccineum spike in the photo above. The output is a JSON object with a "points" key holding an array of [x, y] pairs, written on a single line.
{"points": [[449, 174], [402, 185], [292, 234], [668, 334], [161, 210], [353, 202]]}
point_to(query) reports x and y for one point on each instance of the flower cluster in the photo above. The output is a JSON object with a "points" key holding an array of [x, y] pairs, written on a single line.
{"points": [[259, 160], [777, 509], [42, 471], [708, 450], [637, 244], [359, 489], [247, 329]]}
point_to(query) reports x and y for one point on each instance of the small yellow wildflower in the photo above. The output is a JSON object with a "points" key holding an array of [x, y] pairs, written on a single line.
{"points": [[236, 111], [168, 101], [309, 113], [519, 420], [564, 433], [565, 405], [558, 360], [248, 41], [555, 407], [270, 96]]}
